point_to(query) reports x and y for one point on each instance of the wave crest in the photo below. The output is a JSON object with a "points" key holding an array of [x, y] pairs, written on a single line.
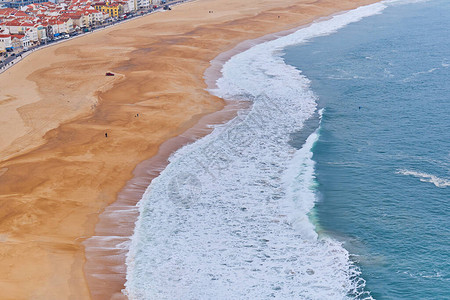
{"points": [[425, 177], [228, 217]]}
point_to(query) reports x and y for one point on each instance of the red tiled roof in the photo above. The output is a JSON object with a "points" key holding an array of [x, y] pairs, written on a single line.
{"points": [[12, 23], [72, 15], [27, 24], [20, 14], [7, 12]]}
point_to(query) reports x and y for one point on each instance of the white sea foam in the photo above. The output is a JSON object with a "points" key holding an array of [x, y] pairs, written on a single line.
{"points": [[402, 2], [424, 177], [416, 74], [228, 217]]}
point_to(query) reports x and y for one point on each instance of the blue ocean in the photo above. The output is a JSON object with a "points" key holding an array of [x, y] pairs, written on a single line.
{"points": [[333, 184], [383, 155]]}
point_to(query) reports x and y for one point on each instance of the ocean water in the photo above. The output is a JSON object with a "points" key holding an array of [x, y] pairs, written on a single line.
{"points": [[383, 156], [244, 213]]}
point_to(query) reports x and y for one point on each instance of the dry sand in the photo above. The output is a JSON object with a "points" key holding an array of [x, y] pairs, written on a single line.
{"points": [[58, 171]]}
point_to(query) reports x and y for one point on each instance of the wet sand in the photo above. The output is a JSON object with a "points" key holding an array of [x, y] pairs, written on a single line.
{"points": [[58, 171]]}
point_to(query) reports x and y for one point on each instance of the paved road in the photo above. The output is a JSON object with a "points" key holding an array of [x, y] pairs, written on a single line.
{"points": [[7, 60]]}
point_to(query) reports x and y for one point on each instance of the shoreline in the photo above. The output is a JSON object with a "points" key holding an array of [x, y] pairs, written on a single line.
{"points": [[149, 169], [189, 235], [107, 248], [104, 118]]}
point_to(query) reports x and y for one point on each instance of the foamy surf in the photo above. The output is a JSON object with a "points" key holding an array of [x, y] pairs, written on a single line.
{"points": [[228, 217], [425, 177]]}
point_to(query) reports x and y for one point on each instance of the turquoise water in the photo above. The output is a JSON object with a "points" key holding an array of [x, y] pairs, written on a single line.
{"points": [[231, 215], [383, 156]]}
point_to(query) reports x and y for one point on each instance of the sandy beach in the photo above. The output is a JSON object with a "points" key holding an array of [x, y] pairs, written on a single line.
{"points": [[58, 170]]}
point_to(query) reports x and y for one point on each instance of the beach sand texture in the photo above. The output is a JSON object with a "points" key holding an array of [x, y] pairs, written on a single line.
{"points": [[58, 171]]}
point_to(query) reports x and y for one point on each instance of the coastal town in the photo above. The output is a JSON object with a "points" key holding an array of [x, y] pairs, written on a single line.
{"points": [[25, 25]]}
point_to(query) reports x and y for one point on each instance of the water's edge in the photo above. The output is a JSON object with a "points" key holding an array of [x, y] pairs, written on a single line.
{"points": [[222, 89], [107, 249]]}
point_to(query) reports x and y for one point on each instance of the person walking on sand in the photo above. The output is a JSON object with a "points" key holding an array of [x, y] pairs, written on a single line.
{"points": [[106, 134]]}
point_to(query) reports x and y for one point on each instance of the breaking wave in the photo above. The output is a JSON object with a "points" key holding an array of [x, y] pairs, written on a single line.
{"points": [[425, 177], [228, 217]]}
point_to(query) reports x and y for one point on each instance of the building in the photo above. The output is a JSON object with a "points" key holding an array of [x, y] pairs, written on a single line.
{"points": [[96, 16], [20, 41], [143, 4], [132, 5], [77, 19], [5, 43], [3, 3], [59, 26], [35, 32], [114, 10]]}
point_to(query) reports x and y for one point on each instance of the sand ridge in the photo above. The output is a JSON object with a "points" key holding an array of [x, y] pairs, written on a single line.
{"points": [[58, 171]]}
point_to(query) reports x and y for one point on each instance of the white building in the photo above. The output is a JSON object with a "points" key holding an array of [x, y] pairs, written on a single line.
{"points": [[132, 5], [143, 4], [41, 32], [6, 40], [97, 16], [61, 26], [2, 3], [32, 34]]}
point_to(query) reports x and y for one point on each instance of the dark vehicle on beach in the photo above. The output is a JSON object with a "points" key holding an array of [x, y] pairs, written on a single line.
{"points": [[167, 7], [109, 74]]}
